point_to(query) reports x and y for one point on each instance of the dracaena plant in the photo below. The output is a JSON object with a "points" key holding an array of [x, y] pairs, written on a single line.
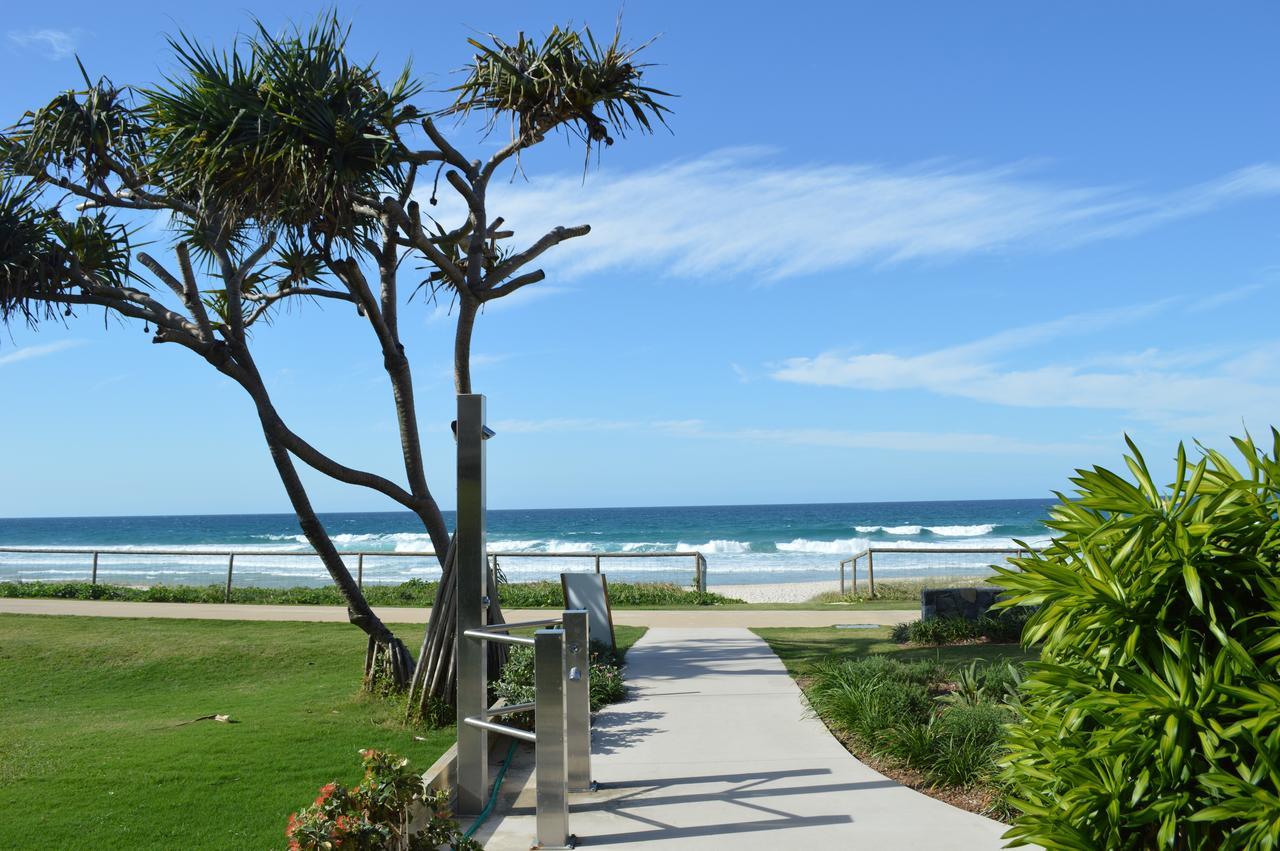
{"points": [[283, 171], [1152, 719]]}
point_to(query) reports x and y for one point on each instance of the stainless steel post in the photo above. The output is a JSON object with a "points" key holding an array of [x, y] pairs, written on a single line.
{"points": [[93, 579], [577, 698], [550, 774], [231, 566], [360, 571], [841, 579], [471, 575]]}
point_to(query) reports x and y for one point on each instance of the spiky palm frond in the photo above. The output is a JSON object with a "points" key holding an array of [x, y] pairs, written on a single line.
{"points": [[284, 130], [43, 255], [561, 82], [298, 264], [79, 133], [29, 258]]}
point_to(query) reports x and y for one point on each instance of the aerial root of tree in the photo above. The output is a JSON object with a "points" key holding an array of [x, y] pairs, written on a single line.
{"points": [[435, 679], [388, 665]]}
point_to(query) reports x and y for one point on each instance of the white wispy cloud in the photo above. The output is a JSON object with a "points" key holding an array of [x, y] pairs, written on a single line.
{"points": [[1189, 388], [562, 424], [743, 212], [52, 43], [31, 352], [911, 441], [908, 441]]}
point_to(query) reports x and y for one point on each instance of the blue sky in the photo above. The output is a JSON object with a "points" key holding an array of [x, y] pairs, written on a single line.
{"points": [[891, 251]]}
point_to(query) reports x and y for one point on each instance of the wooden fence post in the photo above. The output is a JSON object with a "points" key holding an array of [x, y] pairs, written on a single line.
{"points": [[231, 566]]}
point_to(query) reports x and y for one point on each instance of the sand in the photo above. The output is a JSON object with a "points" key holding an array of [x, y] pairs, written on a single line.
{"points": [[776, 592]]}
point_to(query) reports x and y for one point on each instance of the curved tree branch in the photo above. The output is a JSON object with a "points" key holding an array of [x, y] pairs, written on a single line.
{"points": [[513, 264]]}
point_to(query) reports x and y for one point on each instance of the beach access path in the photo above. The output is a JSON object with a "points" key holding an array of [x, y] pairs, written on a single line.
{"points": [[715, 748], [705, 617]]}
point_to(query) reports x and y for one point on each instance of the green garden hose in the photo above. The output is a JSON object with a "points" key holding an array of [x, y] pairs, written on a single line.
{"points": [[493, 796]]}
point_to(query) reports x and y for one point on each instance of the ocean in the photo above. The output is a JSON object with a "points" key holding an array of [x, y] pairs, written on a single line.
{"points": [[743, 544]]}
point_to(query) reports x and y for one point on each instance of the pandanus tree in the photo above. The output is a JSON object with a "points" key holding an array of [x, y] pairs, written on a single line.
{"points": [[286, 172]]}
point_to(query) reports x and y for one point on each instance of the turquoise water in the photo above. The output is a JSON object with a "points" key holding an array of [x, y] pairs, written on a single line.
{"points": [[742, 543]]}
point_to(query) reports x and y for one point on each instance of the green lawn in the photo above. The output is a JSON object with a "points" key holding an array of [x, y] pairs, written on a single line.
{"points": [[91, 755], [800, 647]]}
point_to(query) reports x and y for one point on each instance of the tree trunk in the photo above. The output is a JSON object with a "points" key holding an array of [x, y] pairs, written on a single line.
{"points": [[432, 692], [467, 309], [387, 660], [387, 655]]}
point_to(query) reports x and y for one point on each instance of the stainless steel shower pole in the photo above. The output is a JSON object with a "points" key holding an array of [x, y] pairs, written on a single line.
{"points": [[472, 577]]}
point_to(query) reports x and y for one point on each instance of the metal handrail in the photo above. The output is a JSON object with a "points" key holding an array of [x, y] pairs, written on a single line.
{"points": [[700, 561], [561, 711], [498, 637], [507, 627], [513, 732], [869, 555]]}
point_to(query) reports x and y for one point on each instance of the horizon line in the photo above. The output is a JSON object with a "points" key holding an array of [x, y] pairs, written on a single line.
{"points": [[1046, 499]]}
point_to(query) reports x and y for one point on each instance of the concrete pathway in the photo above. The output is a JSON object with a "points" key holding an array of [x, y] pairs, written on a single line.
{"points": [[706, 617], [715, 750]]}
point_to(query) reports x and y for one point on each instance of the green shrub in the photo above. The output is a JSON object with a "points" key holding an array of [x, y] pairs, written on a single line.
{"points": [[968, 742], [1153, 717], [946, 726], [982, 722], [549, 595], [1000, 681], [414, 592], [1002, 627], [516, 685], [945, 631], [896, 589], [867, 697]]}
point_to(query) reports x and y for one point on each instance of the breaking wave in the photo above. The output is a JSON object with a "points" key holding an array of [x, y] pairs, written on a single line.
{"points": [[845, 546], [718, 546], [963, 531], [890, 530]]}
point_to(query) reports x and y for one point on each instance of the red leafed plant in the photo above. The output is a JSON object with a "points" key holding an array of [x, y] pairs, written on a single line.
{"points": [[390, 808]]}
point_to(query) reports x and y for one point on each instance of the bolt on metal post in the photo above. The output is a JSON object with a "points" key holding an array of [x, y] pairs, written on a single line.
{"points": [[550, 774], [577, 698]]}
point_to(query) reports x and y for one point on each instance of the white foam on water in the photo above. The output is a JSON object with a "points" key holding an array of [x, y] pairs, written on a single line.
{"points": [[889, 530], [717, 546], [963, 531], [844, 546], [645, 547]]}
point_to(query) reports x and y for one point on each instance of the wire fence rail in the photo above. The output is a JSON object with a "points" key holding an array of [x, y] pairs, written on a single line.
{"points": [[99, 556], [952, 564]]}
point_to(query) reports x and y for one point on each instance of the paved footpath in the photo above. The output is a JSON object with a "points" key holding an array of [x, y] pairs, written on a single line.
{"points": [[715, 750], [707, 617]]}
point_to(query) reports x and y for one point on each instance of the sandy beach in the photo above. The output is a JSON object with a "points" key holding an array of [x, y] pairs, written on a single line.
{"points": [[776, 592]]}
